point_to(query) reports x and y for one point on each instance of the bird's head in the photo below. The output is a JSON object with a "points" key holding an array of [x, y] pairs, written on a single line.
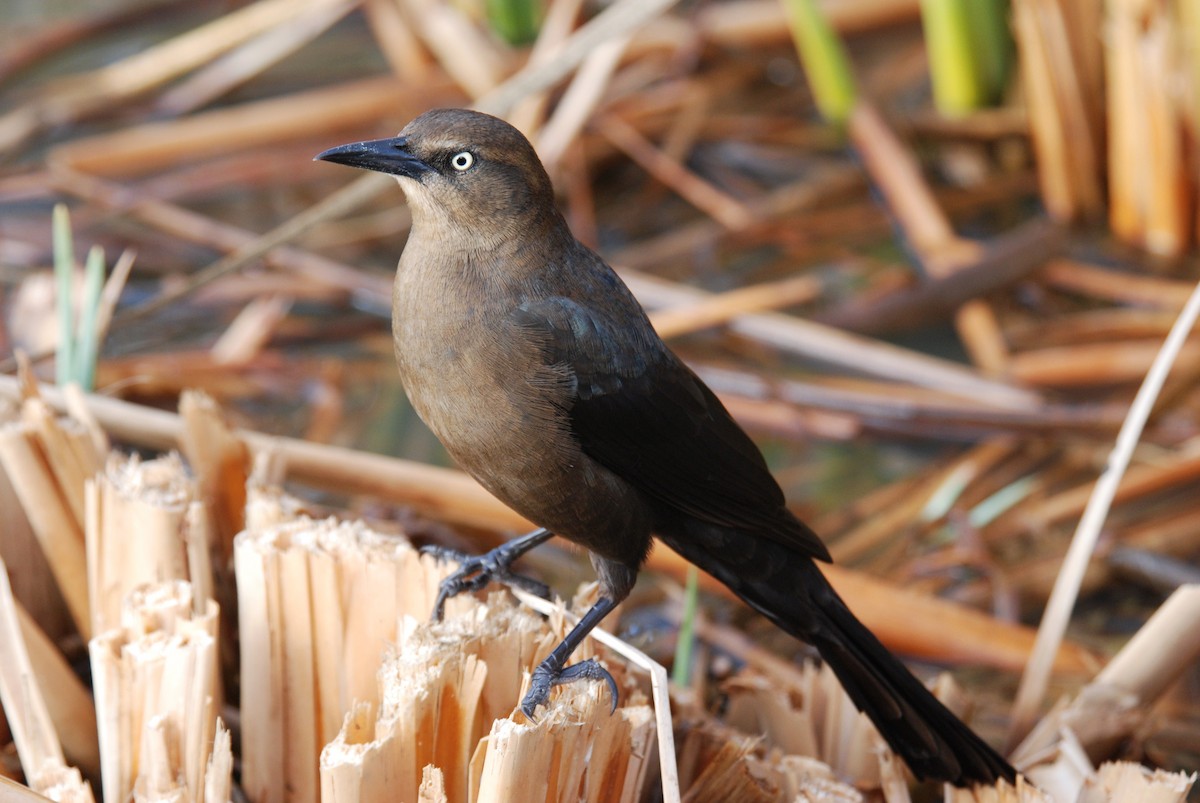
{"points": [[464, 172]]}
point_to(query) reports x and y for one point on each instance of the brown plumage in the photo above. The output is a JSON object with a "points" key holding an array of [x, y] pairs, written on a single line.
{"points": [[535, 366]]}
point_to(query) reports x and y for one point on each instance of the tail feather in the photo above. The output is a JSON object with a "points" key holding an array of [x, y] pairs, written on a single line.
{"points": [[931, 740], [791, 591]]}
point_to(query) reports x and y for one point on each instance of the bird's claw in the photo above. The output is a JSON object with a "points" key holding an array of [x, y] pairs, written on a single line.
{"points": [[476, 571], [548, 675]]}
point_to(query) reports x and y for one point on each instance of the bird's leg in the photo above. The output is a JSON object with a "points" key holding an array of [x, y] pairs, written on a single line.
{"points": [[553, 671], [476, 571]]}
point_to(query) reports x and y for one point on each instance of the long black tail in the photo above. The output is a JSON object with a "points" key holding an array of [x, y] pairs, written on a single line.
{"points": [[791, 591]]}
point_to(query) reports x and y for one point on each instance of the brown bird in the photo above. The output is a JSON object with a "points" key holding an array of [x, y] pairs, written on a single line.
{"points": [[542, 376]]}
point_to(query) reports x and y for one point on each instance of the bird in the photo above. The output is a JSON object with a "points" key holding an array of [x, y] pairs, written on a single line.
{"points": [[541, 374]]}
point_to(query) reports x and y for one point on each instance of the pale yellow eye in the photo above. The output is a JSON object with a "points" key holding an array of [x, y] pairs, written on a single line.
{"points": [[462, 161]]}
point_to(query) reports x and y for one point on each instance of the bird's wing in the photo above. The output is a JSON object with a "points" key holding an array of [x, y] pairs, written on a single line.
{"points": [[643, 414]]}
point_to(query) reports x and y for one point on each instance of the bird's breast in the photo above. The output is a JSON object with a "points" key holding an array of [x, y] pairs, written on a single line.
{"points": [[468, 370]]}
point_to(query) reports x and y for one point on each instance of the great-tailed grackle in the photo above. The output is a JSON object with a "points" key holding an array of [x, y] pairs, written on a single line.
{"points": [[532, 362]]}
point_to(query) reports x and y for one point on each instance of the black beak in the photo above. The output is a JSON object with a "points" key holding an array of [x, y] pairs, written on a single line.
{"points": [[383, 155]]}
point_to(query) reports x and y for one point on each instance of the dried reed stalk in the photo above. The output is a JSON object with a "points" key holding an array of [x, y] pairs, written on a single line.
{"points": [[1059, 48], [143, 526], [13, 792], [1152, 188], [157, 694], [890, 406], [720, 764], [1140, 481], [449, 691], [254, 56], [1065, 773], [722, 207], [152, 146], [220, 462], [1003, 261], [474, 60], [659, 682], [193, 227], [1118, 701], [1094, 364], [34, 586], [1023, 792], [47, 460], [558, 23], [899, 178], [863, 355], [28, 715], [317, 603], [397, 41], [251, 330], [812, 718], [917, 624], [64, 785], [1121, 780], [1083, 542], [579, 101], [873, 530], [720, 308], [603, 756], [621, 17], [758, 22], [161, 781], [70, 99], [1099, 283], [70, 706]]}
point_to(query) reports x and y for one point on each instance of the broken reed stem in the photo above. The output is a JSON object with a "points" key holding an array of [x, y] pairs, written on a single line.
{"points": [[1118, 781], [33, 728], [721, 764], [815, 718], [659, 687], [157, 694], [1118, 701], [1062, 599], [47, 461], [220, 462], [142, 528], [449, 690], [70, 706], [317, 603], [35, 585]]}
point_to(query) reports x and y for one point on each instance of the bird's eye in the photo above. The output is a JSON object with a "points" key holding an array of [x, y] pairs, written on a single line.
{"points": [[462, 161]]}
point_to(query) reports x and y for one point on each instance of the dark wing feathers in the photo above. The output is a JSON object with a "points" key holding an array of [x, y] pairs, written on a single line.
{"points": [[647, 417]]}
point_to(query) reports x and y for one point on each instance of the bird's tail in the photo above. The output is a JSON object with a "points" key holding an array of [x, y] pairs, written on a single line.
{"points": [[791, 591]]}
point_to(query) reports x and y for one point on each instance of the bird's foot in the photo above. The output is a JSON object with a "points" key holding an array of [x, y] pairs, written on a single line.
{"points": [[476, 571], [548, 675]]}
